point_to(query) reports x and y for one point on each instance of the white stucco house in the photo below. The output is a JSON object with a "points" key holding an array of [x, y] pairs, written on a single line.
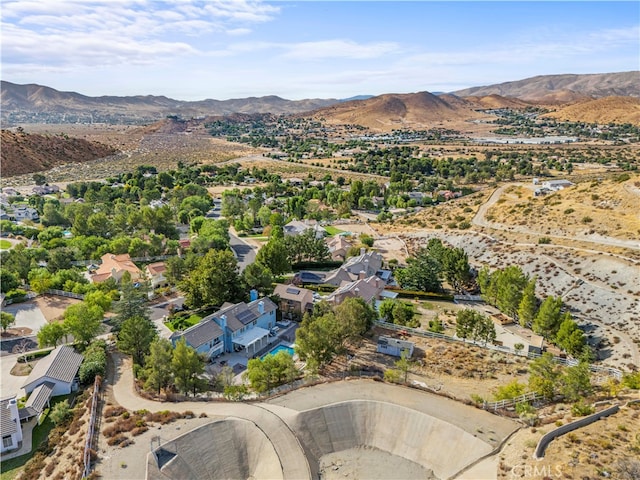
{"points": [[10, 427], [59, 369]]}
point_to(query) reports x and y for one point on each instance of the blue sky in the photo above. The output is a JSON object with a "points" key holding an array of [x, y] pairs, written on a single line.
{"points": [[192, 50]]}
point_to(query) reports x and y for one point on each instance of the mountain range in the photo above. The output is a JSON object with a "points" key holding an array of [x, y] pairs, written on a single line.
{"points": [[40, 104]]}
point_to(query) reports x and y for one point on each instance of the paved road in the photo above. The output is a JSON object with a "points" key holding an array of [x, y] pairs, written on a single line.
{"points": [[245, 253]]}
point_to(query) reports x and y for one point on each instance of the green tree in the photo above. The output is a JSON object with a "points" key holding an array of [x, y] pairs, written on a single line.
{"points": [[569, 337], [83, 322], [274, 255], [214, 280], [271, 371], [576, 382], [528, 305], [355, 317], [6, 320], [99, 298], [511, 283], [135, 337], [8, 280], [259, 277], [50, 334], [548, 319], [472, 324], [132, 302], [422, 273], [40, 280], [544, 376], [159, 365], [187, 367], [317, 340], [176, 268]]}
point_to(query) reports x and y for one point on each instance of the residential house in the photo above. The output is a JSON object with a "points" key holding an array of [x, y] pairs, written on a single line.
{"points": [[338, 247], [246, 326], [10, 427], [294, 301], [297, 182], [12, 192], [38, 401], [155, 273], [45, 189], [368, 262], [205, 337], [114, 266], [22, 212], [59, 368], [394, 346], [296, 227], [370, 289]]}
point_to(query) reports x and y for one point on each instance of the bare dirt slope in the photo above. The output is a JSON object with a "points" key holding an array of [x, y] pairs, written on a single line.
{"points": [[27, 153], [601, 111], [534, 88], [392, 111]]}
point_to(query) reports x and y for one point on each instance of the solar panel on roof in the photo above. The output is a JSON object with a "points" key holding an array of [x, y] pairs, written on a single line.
{"points": [[246, 316], [293, 291]]}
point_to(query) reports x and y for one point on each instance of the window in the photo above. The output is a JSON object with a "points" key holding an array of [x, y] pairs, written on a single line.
{"points": [[7, 441]]}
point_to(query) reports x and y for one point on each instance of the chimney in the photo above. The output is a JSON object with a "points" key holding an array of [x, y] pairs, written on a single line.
{"points": [[15, 416], [223, 321], [261, 307], [253, 294], [362, 275]]}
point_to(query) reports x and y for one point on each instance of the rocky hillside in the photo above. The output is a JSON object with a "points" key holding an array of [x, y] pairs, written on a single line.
{"points": [[27, 153], [602, 111], [37, 104], [554, 88], [393, 111]]}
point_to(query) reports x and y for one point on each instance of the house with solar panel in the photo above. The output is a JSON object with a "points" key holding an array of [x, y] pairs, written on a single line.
{"points": [[205, 337], [247, 325], [294, 301]]}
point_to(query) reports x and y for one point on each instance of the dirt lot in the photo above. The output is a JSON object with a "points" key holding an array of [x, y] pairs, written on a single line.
{"points": [[586, 453], [53, 306]]}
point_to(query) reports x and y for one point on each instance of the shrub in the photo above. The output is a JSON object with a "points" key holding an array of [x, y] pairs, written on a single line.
{"points": [[581, 409], [544, 240], [94, 363], [61, 412]]}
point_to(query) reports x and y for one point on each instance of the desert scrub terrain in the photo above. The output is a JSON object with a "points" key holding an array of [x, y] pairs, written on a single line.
{"points": [[606, 208], [455, 214], [136, 148], [590, 453]]}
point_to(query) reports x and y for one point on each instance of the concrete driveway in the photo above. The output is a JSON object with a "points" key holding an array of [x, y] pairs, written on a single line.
{"points": [[27, 315], [10, 384]]}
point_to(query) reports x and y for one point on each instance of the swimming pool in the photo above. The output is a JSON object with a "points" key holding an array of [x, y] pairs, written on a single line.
{"points": [[279, 348]]}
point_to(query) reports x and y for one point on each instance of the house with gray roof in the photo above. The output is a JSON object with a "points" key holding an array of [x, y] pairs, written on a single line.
{"points": [[10, 428], [246, 326], [37, 402], [294, 301], [59, 368], [205, 337]]}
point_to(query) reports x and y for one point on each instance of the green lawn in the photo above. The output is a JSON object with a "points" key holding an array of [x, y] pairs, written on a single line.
{"points": [[9, 469], [184, 323], [332, 230], [5, 244]]}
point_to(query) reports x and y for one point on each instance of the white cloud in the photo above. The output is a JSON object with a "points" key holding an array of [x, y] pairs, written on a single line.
{"points": [[77, 33], [338, 49]]}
